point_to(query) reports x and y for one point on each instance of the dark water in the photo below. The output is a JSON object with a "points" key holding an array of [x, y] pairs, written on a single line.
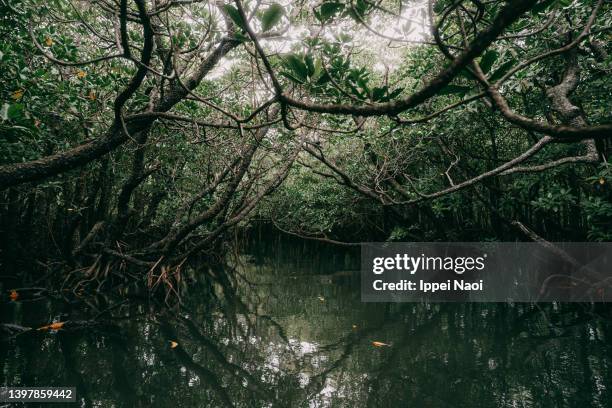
{"points": [[289, 330]]}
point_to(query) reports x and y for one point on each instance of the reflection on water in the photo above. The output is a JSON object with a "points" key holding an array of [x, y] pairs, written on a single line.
{"points": [[287, 329]]}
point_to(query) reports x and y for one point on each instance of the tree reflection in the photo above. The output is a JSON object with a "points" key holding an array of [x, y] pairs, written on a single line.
{"points": [[273, 334]]}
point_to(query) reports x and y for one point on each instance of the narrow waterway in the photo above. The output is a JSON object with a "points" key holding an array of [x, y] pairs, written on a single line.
{"points": [[289, 330]]}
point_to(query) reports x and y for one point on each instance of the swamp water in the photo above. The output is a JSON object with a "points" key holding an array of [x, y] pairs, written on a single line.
{"points": [[292, 332]]}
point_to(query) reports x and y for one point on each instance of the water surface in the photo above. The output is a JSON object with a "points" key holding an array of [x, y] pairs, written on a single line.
{"points": [[288, 330]]}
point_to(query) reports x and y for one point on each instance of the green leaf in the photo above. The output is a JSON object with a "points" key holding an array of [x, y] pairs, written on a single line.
{"points": [[297, 66], [363, 84], [234, 14], [487, 60], [355, 91], [541, 6], [14, 111], [439, 6], [318, 68], [358, 10], [395, 93], [324, 79], [362, 7], [465, 73], [272, 16], [242, 37], [501, 71], [454, 89], [310, 65], [328, 10], [379, 93], [291, 77]]}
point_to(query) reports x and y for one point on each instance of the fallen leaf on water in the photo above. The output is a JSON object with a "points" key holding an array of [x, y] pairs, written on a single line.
{"points": [[380, 344], [14, 295], [321, 298], [173, 344], [52, 326], [602, 181], [48, 41], [354, 327], [17, 95]]}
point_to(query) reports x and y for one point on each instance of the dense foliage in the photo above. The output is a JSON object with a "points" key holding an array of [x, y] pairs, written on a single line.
{"points": [[142, 133]]}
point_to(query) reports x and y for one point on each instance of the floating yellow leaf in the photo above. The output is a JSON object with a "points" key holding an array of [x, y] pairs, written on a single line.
{"points": [[14, 295], [52, 326], [173, 344], [81, 74], [602, 181], [17, 95], [354, 327], [380, 344], [48, 41]]}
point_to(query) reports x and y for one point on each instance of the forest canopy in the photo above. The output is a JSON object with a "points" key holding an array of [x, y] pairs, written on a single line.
{"points": [[143, 132]]}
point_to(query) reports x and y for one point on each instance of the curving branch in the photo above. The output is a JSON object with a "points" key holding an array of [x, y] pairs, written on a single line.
{"points": [[118, 133]]}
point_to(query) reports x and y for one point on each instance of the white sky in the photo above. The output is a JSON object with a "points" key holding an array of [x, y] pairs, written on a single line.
{"points": [[411, 26]]}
